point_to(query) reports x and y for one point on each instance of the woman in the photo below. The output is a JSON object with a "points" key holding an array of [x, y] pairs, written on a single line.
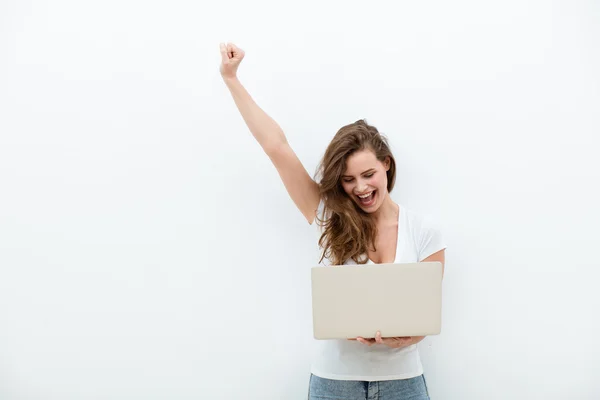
{"points": [[360, 224]]}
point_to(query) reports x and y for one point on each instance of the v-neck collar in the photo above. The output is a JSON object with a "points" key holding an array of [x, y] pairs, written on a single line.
{"points": [[400, 211]]}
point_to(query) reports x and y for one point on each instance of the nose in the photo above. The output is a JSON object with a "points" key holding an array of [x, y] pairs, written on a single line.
{"points": [[361, 186]]}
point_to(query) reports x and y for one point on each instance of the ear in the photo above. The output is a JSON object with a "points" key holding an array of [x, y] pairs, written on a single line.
{"points": [[387, 163]]}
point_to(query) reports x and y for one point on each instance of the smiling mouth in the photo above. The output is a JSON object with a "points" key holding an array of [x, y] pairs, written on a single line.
{"points": [[368, 199]]}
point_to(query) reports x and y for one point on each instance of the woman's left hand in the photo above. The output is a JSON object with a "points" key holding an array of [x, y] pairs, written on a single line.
{"points": [[395, 342]]}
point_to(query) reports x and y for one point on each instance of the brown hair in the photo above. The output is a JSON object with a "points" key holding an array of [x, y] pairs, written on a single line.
{"points": [[348, 231]]}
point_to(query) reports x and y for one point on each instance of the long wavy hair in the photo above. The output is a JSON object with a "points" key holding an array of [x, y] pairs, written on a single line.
{"points": [[348, 231]]}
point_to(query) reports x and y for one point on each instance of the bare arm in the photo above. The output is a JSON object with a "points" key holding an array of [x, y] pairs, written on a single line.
{"points": [[303, 190], [264, 129]]}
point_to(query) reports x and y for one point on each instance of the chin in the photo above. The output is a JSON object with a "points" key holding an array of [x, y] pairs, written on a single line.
{"points": [[370, 210]]}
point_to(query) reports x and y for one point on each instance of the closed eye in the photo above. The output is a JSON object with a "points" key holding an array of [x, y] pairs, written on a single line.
{"points": [[348, 180]]}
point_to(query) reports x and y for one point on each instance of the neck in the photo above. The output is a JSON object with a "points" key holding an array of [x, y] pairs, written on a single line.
{"points": [[388, 212]]}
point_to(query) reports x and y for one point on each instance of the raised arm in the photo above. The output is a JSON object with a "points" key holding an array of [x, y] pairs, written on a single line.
{"points": [[303, 190]]}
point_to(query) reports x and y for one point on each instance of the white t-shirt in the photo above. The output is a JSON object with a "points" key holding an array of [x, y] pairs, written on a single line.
{"points": [[418, 238]]}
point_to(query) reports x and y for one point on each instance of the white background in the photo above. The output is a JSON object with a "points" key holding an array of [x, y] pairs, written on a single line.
{"points": [[148, 249]]}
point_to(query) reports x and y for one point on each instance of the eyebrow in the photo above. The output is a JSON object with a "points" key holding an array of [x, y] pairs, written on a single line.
{"points": [[350, 176]]}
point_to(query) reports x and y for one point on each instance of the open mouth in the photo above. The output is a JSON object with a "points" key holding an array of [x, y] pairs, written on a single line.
{"points": [[368, 199]]}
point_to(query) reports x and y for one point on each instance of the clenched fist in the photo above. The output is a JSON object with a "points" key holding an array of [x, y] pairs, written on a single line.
{"points": [[231, 57]]}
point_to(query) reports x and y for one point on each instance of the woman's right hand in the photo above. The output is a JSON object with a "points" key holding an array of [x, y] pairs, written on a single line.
{"points": [[231, 57]]}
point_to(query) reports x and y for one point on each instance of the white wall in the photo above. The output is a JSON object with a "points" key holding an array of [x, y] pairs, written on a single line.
{"points": [[149, 251]]}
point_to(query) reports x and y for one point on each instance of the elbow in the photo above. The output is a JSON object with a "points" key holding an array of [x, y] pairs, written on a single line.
{"points": [[275, 147], [274, 143]]}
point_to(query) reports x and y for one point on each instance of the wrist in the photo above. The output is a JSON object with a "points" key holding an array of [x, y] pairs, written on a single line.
{"points": [[230, 79]]}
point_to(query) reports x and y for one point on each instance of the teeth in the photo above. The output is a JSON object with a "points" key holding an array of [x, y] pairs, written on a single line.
{"points": [[364, 196]]}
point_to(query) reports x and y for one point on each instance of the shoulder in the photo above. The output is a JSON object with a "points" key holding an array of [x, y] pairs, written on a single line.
{"points": [[411, 218], [419, 224], [418, 217]]}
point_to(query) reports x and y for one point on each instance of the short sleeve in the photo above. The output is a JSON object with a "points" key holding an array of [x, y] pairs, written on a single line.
{"points": [[430, 238]]}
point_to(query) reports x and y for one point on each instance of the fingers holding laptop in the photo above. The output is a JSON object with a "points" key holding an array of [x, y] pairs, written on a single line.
{"points": [[368, 342], [395, 342]]}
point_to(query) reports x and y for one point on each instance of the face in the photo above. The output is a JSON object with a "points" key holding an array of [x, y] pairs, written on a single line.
{"points": [[365, 180]]}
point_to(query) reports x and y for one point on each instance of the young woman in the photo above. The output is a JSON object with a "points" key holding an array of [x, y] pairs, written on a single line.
{"points": [[360, 224]]}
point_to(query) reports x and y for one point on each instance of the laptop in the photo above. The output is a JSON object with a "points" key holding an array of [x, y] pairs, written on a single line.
{"points": [[358, 300]]}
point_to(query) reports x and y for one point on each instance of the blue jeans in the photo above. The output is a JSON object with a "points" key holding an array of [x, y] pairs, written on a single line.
{"points": [[398, 389]]}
